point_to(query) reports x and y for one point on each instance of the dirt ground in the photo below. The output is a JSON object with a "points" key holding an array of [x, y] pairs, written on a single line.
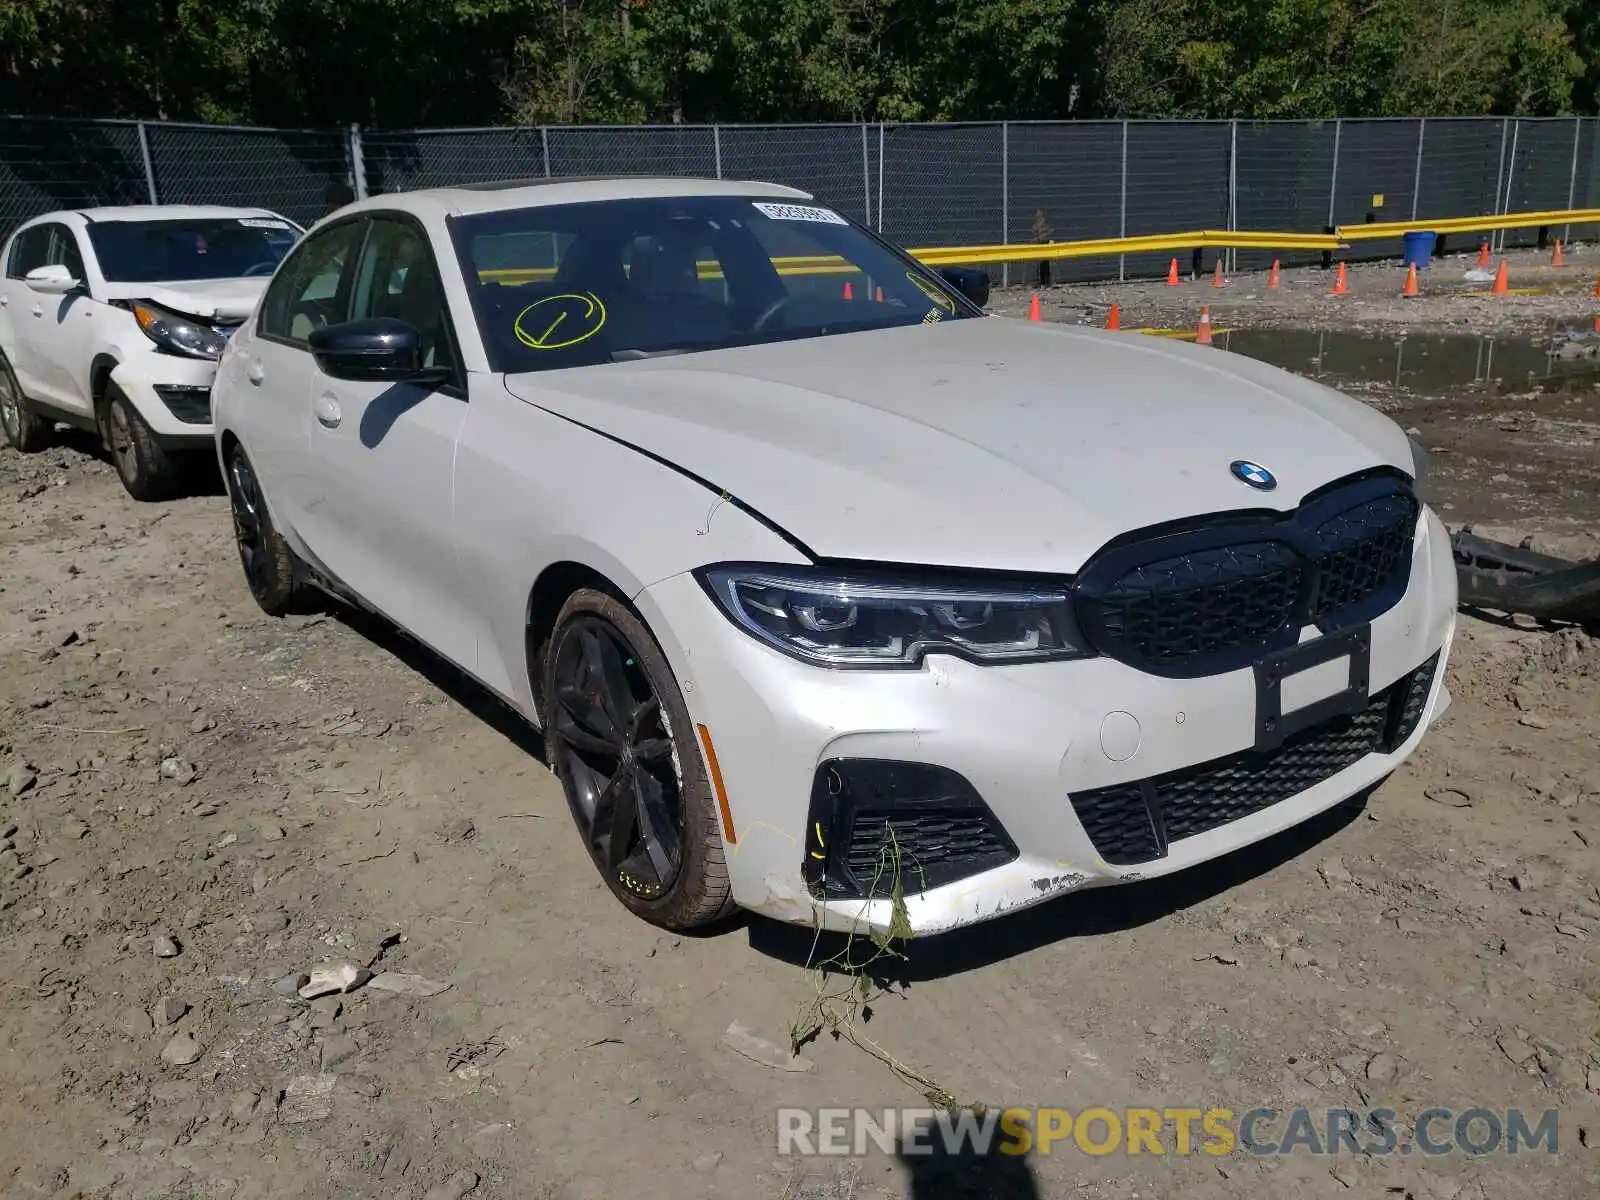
{"points": [[209, 804]]}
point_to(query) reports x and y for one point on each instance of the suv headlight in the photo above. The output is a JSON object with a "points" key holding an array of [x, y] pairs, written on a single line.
{"points": [[847, 619], [179, 334]]}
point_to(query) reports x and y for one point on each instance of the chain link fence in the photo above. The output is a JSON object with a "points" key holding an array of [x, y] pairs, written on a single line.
{"points": [[920, 184]]}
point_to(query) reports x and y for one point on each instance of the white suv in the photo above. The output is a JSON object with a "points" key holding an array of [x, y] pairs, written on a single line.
{"points": [[112, 319]]}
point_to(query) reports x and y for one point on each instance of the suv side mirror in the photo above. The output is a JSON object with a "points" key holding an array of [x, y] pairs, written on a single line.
{"points": [[52, 280], [375, 350], [971, 282]]}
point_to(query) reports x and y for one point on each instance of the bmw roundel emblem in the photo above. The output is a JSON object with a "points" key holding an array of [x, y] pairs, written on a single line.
{"points": [[1253, 474]]}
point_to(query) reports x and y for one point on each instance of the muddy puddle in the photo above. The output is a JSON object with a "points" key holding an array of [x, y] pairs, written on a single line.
{"points": [[1429, 365]]}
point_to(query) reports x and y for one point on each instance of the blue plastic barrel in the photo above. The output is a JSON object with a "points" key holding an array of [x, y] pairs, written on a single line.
{"points": [[1419, 249]]}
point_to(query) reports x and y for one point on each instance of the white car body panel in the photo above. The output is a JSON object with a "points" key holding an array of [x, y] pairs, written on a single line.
{"points": [[971, 443], [968, 444], [57, 343]]}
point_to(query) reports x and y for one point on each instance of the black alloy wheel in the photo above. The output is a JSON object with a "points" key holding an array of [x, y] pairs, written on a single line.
{"points": [[617, 757]]}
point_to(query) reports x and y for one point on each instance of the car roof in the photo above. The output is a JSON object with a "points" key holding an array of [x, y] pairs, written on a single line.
{"points": [[501, 195], [167, 212]]}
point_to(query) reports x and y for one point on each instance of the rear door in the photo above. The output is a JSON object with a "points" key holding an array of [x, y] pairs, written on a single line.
{"points": [[27, 250]]}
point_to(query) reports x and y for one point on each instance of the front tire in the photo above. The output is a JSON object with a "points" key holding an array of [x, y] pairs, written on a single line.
{"points": [[25, 430], [146, 470], [619, 738], [269, 565]]}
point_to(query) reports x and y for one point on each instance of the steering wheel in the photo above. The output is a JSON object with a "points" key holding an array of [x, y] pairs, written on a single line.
{"points": [[759, 325], [261, 268]]}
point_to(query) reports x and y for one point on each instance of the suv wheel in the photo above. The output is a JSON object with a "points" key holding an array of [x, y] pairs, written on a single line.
{"points": [[146, 470], [25, 429], [269, 565], [618, 737]]}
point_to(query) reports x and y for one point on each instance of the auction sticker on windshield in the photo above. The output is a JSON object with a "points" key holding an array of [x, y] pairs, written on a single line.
{"points": [[801, 212], [263, 223]]}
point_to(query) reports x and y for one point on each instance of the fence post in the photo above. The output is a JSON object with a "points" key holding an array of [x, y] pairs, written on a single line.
{"points": [[1005, 196], [1572, 181], [1122, 217], [866, 177], [149, 167], [358, 163], [1232, 254], [1333, 180], [716, 147], [544, 148], [880, 176], [1511, 174], [1499, 175], [1416, 179]]}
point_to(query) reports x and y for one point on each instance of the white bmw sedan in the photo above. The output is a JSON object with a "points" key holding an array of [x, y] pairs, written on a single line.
{"points": [[834, 598]]}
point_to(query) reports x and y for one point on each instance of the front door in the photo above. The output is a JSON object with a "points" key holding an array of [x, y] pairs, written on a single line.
{"points": [[57, 328], [383, 456]]}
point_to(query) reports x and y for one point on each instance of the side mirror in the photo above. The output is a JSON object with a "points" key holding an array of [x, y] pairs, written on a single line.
{"points": [[52, 280], [971, 282], [374, 350]]}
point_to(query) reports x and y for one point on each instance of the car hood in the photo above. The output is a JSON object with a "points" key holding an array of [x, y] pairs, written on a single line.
{"points": [[208, 299], [983, 443]]}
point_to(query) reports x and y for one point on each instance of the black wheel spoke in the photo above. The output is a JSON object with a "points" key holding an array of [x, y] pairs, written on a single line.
{"points": [[619, 811], [653, 750], [576, 724], [657, 824]]}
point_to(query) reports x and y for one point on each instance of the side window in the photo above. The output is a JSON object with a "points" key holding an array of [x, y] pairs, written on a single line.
{"points": [[396, 278], [30, 251], [64, 250], [311, 290]]}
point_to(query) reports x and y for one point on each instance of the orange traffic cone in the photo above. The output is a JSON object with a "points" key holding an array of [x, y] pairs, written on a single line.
{"points": [[1557, 259], [1502, 280], [1483, 253], [1202, 332], [1217, 278], [1172, 274], [1114, 317], [1341, 282], [1597, 289], [1272, 277], [849, 292], [1411, 282], [1033, 308]]}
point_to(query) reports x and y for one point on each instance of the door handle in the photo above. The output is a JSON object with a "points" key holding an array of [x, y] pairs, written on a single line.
{"points": [[5, 301], [254, 372], [38, 310], [328, 412]]}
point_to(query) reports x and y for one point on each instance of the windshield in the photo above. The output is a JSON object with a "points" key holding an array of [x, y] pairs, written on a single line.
{"points": [[575, 284], [202, 248]]}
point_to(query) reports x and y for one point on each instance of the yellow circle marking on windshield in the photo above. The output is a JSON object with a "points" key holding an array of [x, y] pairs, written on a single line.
{"points": [[557, 322], [932, 293]]}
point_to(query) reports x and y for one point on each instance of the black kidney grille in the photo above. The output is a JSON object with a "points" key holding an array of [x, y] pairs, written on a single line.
{"points": [[1210, 599], [932, 847], [1361, 550], [1200, 603], [1134, 822]]}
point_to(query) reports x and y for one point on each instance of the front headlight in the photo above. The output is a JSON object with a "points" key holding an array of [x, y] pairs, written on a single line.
{"points": [[179, 334], [847, 619]]}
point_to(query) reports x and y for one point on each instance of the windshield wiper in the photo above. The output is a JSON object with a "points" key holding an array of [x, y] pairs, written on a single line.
{"points": [[633, 354]]}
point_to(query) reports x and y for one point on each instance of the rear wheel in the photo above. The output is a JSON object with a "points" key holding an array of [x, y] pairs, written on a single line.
{"points": [[25, 429], [146, 470], [269, 566], [618, 737]]}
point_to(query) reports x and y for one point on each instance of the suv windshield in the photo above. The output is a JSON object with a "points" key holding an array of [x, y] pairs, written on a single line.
{"points": [[202, 248], [575, 284]]}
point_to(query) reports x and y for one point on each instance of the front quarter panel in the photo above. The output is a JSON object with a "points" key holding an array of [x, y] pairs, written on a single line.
{"points": [[534, 489]]}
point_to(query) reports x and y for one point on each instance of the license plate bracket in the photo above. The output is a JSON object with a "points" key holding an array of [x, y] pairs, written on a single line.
{"points": [[1273, 725]]}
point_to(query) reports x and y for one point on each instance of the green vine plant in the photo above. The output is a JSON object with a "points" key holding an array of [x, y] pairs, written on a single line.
{"points": [[846, 985]]}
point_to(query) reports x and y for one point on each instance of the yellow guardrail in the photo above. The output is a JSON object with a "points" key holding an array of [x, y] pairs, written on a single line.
{"points": [[1386, 229]]}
